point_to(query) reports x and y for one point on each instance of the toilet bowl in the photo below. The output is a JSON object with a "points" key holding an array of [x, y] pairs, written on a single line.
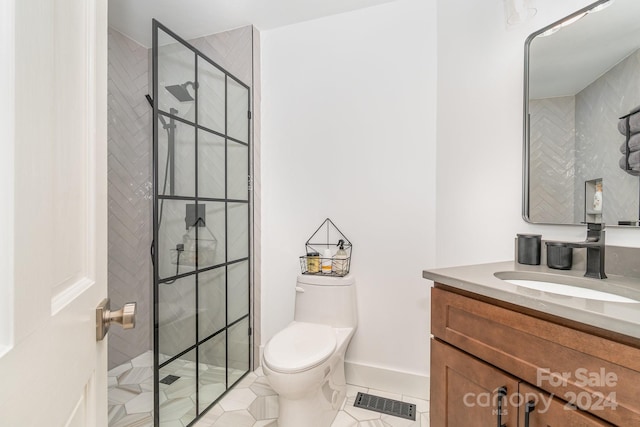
{"points": [[304, 363]]}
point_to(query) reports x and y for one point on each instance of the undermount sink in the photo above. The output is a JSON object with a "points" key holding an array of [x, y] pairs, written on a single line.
{"points": [[550, 286]]}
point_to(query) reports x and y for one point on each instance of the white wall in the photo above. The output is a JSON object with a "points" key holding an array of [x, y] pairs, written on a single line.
{"points": [[349, 133], [479, 132]]}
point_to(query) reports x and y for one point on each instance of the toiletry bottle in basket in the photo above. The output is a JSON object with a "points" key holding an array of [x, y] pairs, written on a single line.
{"points": [[340, 260], [326, 261]]}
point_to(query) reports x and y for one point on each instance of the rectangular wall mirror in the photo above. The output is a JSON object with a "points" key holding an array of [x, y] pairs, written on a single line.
{"points": [[582, 87]]}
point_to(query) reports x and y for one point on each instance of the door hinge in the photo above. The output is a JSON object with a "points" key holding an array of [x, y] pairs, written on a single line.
{"points": [[249, 115], [249, 332], [250, 182]]}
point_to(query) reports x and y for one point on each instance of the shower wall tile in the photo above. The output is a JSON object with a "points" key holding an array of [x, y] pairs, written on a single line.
{"points": [[583, 128], [130, 194], [232, 50], [598, 108], [552, 142]]}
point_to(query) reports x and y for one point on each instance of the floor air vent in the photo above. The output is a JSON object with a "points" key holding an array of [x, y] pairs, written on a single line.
{"points": [[386, 406], [169, 379]]}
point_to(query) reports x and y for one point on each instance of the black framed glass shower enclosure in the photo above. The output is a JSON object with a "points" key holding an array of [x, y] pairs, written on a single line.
{"points": [[201, 142]]}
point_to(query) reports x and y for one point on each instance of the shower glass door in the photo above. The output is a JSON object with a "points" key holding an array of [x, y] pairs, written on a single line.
{"points": [[201, 232]]}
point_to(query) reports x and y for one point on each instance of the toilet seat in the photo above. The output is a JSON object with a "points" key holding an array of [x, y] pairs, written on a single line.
{"points": [[300, 347]]}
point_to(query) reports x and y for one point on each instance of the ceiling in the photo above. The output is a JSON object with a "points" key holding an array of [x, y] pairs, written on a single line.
{"points": [[196, 18]]}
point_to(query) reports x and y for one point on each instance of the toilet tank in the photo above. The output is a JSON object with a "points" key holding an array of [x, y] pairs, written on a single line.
{"points": [[326, 300]]}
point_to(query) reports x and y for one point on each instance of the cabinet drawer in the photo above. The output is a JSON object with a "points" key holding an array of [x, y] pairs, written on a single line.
{"points": [[575, 366]]}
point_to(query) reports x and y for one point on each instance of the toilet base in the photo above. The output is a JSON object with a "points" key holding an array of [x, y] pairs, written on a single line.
{"points": [[312, 398], [317, 409]]}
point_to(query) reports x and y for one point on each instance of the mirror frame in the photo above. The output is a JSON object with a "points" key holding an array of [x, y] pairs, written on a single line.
{"points": [[526, 119]]}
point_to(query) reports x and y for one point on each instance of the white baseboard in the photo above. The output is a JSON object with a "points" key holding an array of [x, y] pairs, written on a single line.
{"points": [[397, 382]]}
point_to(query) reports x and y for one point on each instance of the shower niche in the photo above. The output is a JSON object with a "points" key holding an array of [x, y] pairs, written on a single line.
{"points": [[201, 251]]}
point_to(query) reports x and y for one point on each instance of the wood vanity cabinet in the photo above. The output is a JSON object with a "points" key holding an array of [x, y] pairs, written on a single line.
{"points": [[482, 346]]}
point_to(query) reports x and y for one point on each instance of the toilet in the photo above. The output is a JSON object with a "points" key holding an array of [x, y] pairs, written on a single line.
{"points": [[304, 362]]}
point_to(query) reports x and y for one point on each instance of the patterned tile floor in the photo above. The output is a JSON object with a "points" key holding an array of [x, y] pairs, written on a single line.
{"points": [[131, 393], [251, 403]]}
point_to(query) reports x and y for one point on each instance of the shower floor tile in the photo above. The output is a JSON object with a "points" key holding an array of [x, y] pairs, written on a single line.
{"points": [[131, 393], [251, 403]]}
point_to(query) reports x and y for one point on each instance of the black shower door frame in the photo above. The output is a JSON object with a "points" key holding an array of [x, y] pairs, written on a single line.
{"points": [[157, 198]]}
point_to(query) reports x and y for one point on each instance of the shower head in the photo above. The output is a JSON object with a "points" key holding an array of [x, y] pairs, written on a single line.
{"points": [[180, 92]]}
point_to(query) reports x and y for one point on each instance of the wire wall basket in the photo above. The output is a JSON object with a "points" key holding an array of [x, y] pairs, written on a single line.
{"points": [[328, 252]]}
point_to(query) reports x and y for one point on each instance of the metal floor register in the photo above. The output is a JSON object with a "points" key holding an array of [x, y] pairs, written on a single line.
{"points": [[386, 406]]}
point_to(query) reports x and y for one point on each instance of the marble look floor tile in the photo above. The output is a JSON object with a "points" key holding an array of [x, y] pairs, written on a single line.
{"points": [[237, 399], [135, 375], [133, 388], [235, 419], [209, 393], [140, 404], [214, 377], [162, 397], [115, 413], [424, 419], [188, 364], [234, 375], [261, 387], [174, 409], [143, 360], [184, 387], [191, 415], [118, 396], [246, 381], [264, 408], [344, 420], [251, 403], [118, 370], [135, 420], [372, 423], [112, 381], [209, 418], [421, 405], [400, 422], [147, 386]]}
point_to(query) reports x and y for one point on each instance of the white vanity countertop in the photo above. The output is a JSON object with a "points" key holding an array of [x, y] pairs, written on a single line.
{"points": [[623, 318]]}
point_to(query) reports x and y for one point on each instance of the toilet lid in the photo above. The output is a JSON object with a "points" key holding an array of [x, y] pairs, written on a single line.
{"points": [[300, 346]]}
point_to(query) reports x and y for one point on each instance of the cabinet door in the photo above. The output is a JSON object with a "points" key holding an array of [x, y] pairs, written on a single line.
{"points": [[466, 391], [550, 411]]}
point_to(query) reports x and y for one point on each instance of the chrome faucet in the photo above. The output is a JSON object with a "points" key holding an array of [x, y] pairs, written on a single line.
{"points": [[595, 250]]}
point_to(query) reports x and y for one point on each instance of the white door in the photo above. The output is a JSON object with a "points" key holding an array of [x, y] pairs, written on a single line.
{"points": [[53, 221]]}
